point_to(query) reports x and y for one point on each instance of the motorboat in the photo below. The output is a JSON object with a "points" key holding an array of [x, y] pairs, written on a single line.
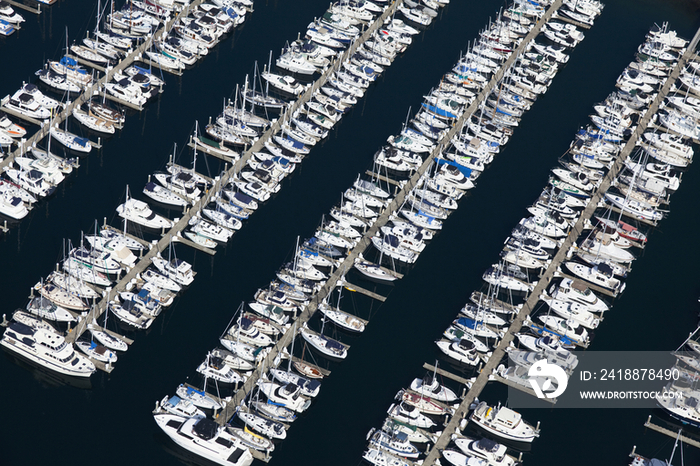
{"points": [[216, 369], [46, 348], [403, 412], [577, 292], [139, 212], [176, 269], [574, 311], [205, 438], [97, 260], [97, 352], [379, 457], [266, 427], [33, 181], [289, 395], [43, 307], [601, 275], [27, 105], [308, 387], [503, 422], [396, 443], [132, 314], [570, 328]]}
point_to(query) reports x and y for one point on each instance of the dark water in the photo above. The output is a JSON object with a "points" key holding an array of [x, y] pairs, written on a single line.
{"points": [[46, 422]]}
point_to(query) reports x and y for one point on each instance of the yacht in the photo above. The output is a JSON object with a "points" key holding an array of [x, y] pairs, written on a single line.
{"points": [[430, 386], [328, 346], [570, 328], [139, 212], [27, 105], [308, 387], [396, 444], [403, 412], [205, 438], [503, 422], [176, 269], [462, 350], [288, 395], [46, 348], [493, 452]]}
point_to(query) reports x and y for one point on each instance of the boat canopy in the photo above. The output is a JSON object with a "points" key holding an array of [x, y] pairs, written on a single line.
{"points": [[205, 428]]}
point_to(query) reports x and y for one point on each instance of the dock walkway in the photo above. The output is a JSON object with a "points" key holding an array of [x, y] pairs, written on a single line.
{"points": [[577, 229]]}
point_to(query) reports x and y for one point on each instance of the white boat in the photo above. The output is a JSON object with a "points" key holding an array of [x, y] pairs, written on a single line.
{"points": [[577, 292], [95, 259], [574, 311], [85, 273], [396, 444], [568, 327], [462, 350], [44, 308], [324, 344], [199, 398], [207, 229], [63, 298], [108, 340], [380, 457], [139, 212], [493, 452], [204, 437], [132, 314], [32, 181], [70, 140], [47, 349], [216, 369], [308, 387], [403, 412], [46, 165], [27, 105], [93, 122], [12, 206], [266, 427], [97, 352], [601, 275], [177, 270], [288, 395], [503, 422], [342, 319], [430, 386], [372, 270], [458, 459]]}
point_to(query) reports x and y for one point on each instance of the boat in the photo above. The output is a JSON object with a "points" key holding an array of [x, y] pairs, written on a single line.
{"points": [[494, 453], [45, 308], [327, 346], [63, 298], [97, 352], [177, 270], [429, 385], [395, 443], [403, 412], [601, 275], [266, 427], [139, 212], [46, 348], [199, 398], [215, 368], [577, 292], [289, 395], [570, 328], [131, 314], [503, 422], [424, 404], [380, 457], [205, 438]]}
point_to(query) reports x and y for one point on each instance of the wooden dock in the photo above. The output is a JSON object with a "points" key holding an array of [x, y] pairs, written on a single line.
{"points": [[22, 6], [447, 374], [670, 433], [499, 352], [358, 289]]}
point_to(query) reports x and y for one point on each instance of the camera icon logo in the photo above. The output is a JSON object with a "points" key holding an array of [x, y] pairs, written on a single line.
{"points": [[552, 377]]}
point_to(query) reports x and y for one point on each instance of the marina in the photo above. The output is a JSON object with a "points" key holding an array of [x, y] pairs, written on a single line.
{"points": [[402, 298]]}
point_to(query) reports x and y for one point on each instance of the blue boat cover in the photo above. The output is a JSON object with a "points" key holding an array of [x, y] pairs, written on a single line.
{"points": [[466, 171], [438, 111]]}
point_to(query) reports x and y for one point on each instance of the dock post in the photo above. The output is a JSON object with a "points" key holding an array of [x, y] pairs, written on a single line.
{"points": [[4, 320]]}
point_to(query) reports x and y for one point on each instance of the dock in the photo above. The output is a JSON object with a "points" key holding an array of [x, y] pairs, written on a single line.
{"points": [[487, 372], [670, 433], [447, 374], [22, 6], [358, 289]]}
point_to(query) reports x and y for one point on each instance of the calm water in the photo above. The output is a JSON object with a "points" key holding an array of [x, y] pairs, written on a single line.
{"points": [[111, 422]]}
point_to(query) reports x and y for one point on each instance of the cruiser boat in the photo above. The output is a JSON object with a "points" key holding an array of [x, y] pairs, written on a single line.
{"points": [[570, 328], [216, 369], [12, 206], [463, 350], [577, 292], [403, 412], [379, 457], [503, 422], [176, 269], [139, 212], [46, 348], [308, 387], [96, 260], [601, 275], [27, 105], [131, 313], [198, 398], [288, 395], [264, 426], [396, 444], [205, 438], [544, 344], [577, 312]]}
